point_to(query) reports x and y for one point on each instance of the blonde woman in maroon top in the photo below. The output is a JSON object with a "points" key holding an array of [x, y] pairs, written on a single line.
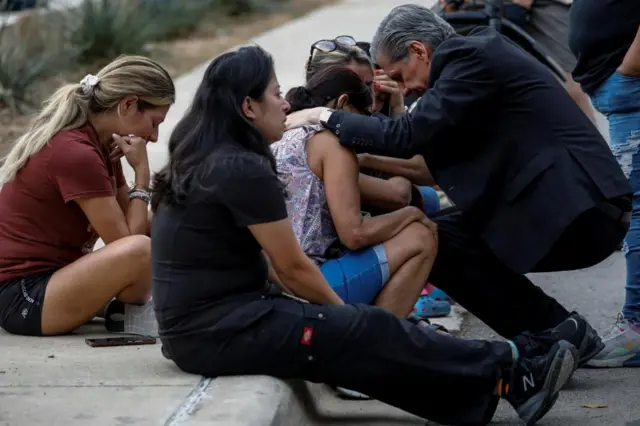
{"points": [[62, 188]]}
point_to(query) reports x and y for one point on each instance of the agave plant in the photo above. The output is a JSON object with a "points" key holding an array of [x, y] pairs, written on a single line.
{"points": [[106, 29], [24, 62]]}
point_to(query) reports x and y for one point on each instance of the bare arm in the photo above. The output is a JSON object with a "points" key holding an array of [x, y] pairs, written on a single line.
{"points": [[123, 201], [108, 217], [339, 170], [415, 169], [631, 62], [391, 194], [295, 270], [273, 275]]}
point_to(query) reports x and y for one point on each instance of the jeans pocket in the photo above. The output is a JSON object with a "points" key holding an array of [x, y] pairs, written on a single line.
{"points": [[315, 316]]}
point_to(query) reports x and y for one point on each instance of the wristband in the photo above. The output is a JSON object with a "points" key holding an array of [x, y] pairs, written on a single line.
{"points": [[139, 194]]}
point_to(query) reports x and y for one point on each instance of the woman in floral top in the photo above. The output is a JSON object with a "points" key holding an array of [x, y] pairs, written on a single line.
{"points": [[384, 259]]}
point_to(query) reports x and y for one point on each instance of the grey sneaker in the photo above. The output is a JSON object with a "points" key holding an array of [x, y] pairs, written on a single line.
{"points": [[131, 319], [621, 346]]}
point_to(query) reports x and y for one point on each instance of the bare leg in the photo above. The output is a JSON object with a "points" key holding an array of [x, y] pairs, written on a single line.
{"points": [[76, 292], [411, 254]]}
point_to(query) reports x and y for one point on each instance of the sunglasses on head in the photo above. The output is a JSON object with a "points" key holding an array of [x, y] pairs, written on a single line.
{"points": [[328, 46]]}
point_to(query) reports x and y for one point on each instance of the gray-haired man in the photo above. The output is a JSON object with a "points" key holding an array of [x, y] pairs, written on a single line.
{"points": [[537, 187]]}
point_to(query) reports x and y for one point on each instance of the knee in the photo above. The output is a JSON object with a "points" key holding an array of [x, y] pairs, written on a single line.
{"points": [[136, 248], [135, 256], [422, 238], [403, 190]]}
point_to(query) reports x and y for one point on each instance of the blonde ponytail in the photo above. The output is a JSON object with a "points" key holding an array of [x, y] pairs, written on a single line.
{"points": [[65, 109], [69, 107]]}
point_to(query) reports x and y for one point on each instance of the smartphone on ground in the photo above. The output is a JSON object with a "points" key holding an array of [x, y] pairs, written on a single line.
{"points": [[103, 342]]}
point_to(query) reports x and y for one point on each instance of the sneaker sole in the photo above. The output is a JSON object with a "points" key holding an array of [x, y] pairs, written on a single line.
{"points": [[588, 358], [619, 362], [560, 370]]}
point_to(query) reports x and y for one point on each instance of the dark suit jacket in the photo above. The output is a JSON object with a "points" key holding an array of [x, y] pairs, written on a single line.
{"points": [[505, 142]]}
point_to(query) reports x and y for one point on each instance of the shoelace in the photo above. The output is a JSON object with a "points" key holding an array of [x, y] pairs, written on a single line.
{"points": [[616, 328]]}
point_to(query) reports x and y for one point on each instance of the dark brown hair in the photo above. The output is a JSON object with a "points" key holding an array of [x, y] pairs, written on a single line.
{"points": [[330, 84]]}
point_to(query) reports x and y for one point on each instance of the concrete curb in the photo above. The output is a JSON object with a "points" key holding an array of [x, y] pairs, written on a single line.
{"points": [[262, 400], [242, 401]]}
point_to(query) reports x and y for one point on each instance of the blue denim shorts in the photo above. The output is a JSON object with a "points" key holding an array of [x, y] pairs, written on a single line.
{"points": [[430, 199], [358, 276]]}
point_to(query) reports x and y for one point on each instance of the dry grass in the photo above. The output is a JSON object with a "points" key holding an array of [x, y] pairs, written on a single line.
{"points": [[214, 36]]}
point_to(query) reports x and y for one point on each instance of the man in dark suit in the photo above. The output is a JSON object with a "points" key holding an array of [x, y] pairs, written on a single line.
{"points": [[537, 187]]}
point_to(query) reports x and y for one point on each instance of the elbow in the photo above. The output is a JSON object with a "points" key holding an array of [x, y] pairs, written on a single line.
{"points": [[354, 239]]}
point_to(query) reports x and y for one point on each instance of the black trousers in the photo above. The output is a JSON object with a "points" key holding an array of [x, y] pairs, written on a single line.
{"points": [[359, 347], [506, 301]]}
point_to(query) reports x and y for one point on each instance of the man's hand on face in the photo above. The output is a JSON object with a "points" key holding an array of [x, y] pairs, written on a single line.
{"points": [[304, 117], [384, 86]]}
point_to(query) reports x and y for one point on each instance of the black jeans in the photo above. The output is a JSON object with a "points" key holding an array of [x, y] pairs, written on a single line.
{"points": [[359, 347], [508, 302]]}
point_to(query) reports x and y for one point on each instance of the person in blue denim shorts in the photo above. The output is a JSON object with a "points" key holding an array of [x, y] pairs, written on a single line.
{"points": [[605, 37]]}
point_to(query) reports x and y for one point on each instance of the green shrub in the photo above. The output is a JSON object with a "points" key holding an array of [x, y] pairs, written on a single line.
{"points": [[28, 54], [106, 29], [175, 18], [242, 7]]}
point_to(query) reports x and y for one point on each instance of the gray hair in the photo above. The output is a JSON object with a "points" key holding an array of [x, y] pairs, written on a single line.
{"points": [[344, 56], [405, 24]]}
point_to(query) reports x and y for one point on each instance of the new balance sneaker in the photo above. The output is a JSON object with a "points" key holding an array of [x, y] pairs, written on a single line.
{"points": [[533, 384], [621, 346], [575, 330], [131, 319]]}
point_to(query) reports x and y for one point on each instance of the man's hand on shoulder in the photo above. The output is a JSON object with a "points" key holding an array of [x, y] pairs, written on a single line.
{"points": [[304, 117]]}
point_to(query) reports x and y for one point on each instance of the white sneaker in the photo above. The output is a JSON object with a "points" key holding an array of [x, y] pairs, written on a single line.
{"points": [[131, 319], [622, 346]]}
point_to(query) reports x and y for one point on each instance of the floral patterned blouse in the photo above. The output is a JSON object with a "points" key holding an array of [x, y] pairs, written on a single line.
{"points": [[305, 195]]}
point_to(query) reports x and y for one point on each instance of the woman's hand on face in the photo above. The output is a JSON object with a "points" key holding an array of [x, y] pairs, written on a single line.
{"points": [[383, 85], [133, 148], [305, 117]]}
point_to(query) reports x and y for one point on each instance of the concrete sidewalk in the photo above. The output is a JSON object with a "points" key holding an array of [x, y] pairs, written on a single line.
{"points": [[62, 381]]}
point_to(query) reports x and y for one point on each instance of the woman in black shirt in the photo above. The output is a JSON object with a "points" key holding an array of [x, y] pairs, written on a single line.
{"points": [[219, 208], [605, 37]]}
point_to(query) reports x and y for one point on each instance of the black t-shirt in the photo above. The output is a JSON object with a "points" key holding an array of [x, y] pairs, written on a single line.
{"points": [[600, 34], [204, 258]]}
